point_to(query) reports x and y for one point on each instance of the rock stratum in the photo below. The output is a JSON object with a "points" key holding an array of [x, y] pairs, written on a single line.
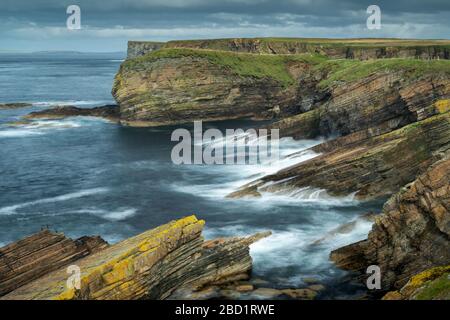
{"points": [[410, 236], [183, 81], [151, 265]]}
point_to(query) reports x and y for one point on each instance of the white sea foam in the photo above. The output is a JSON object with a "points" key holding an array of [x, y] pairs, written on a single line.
{"points": [[68, 196], [18, 133], [112, 215], [293, 246], [45, 126], [234, 176]]}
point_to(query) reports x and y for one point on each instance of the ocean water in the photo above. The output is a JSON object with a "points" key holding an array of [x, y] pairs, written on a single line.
{"points": [[88, 176]]}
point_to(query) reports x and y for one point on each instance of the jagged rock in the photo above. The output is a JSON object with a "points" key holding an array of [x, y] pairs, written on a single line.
{"points": [[432, 284], [411, 235], [151, 265], [371, 168], [28, 259], [110, 112]]}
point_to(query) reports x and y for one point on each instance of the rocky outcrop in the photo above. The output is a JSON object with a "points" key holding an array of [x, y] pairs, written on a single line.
{"points": [[183, 82], [334, 48], [412, 234], [28, 259], [151, 265], [110, 112], [14, 105], [370, 168], [172, 86], [432, 284]]}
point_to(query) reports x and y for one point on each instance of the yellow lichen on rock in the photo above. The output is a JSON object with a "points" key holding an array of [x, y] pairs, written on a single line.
{"points": [[118, 272], [442, 106]]}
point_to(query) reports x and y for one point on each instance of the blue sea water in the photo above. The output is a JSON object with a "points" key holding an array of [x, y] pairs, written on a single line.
{"points": [[88, 176]]}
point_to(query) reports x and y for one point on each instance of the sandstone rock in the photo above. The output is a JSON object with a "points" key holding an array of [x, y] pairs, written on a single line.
{"points": [[411, 235], [26, 260], [151, 265], [172, 86], [60, 112]]}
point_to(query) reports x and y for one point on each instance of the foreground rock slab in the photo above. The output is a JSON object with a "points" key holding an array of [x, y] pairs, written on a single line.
{"points": [[32, 257], [151, 265]]}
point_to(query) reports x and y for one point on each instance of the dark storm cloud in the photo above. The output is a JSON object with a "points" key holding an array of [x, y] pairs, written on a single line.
{"points": [[41, 23]]}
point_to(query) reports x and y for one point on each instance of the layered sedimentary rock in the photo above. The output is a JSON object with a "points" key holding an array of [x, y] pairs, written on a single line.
{"points": [[186, 81], [367, 97], [110, 112], [412, 234], [334, 48], [370, 168], [151, 265], [32, 257], [171, 86]]}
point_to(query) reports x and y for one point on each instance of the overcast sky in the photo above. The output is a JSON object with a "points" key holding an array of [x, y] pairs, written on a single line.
{"points": [[106, 25]]}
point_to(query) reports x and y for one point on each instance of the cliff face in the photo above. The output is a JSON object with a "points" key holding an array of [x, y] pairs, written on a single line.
{"points": [[173, 86], [179, 84], [151, 265], [362, 49], [411, 235]]}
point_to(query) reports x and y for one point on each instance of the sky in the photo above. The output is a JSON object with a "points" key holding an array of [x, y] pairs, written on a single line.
{"points": [[107, 25]]}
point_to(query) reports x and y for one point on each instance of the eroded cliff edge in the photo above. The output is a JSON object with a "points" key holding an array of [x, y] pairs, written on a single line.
{"points": [[410, 236], [183, 81], [151, 265]]}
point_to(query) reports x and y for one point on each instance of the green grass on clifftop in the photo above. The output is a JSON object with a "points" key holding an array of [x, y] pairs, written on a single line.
{"points": [[347, 70], [242, 64]]}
